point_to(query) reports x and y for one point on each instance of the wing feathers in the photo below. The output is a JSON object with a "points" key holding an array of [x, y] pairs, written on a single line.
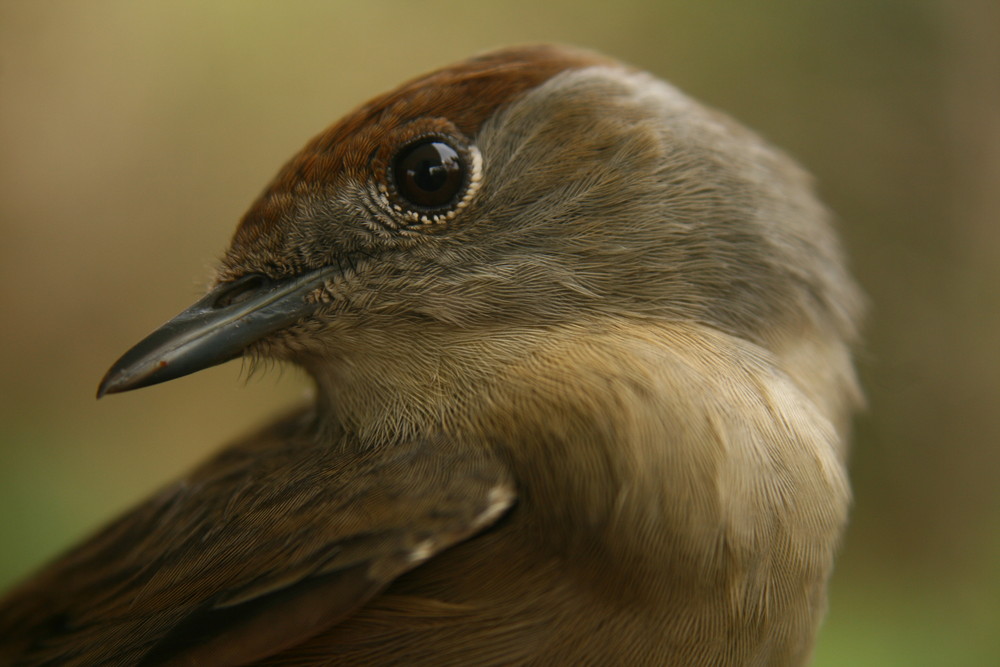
{"points": [[272, 541], [242, 633]]}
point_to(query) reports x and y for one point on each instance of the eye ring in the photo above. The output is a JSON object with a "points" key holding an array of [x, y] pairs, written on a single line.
{"points": [[430, 174]]}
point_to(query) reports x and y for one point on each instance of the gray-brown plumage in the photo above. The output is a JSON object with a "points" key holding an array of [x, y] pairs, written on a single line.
{"points": [[581, 351]]}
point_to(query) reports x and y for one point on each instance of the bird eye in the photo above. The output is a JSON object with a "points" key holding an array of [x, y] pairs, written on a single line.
{"points": [[429, 174]]}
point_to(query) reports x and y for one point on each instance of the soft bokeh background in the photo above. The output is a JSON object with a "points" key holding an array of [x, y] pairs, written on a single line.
{"points": [[133, 134]]}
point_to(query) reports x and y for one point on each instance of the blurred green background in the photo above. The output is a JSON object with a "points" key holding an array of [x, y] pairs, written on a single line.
{"points": [[134, 134]]}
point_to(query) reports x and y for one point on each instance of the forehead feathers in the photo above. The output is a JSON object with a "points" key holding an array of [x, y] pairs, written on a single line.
{"points": [[455, 99]]}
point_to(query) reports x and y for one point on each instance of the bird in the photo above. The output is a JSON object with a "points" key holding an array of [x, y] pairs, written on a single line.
{"points": [[581, 351]]}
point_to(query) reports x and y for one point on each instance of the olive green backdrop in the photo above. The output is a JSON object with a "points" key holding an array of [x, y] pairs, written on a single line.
{"points": [[134, 134]]}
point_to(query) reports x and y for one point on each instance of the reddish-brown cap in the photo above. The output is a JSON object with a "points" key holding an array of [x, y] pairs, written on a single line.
{"points": [[462, 96]]}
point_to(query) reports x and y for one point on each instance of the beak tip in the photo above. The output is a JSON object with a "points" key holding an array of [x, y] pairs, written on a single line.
{"points": [[107, 386], [124, 376]]}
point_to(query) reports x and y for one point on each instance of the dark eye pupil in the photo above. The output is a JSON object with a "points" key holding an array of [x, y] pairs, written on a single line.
{"points": [[429, 174]]}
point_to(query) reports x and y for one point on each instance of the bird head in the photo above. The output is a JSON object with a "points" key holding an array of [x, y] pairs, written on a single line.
{"points": [[522, 189]]}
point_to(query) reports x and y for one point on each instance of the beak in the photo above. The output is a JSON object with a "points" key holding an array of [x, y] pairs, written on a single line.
{"points": [[216, 329]]}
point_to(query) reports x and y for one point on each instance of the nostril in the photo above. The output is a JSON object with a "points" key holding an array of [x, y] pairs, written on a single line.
{"points": [[240, 290]]}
